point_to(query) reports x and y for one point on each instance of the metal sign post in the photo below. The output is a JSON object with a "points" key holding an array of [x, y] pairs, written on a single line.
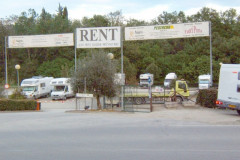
{"points": [[150, 92]]}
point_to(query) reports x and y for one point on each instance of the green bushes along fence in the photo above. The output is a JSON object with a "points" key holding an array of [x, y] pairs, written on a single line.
{"points": [[207, 97], [17, 105]]}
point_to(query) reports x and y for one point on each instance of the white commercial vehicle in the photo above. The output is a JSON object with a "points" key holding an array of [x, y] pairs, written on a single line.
{"points": [[229, 87], [169, 78], [144, 79], [36, 87], [61, 88], [204, 81]]}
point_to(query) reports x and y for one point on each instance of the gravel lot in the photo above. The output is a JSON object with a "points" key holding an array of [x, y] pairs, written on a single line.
{"points": [[194, 113]]}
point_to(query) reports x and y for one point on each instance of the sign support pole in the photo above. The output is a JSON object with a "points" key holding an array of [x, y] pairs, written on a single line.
{"points": [[6, 73], [210, 35], [75, 49], [122, 105], [6, 70]]}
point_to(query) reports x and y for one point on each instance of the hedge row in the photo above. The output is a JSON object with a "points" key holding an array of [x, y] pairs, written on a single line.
{"points": [[17, 105], [207, 97]]}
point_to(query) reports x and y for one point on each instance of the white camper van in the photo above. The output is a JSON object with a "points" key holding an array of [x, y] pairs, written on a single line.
{"points": [[168, 79], [144, 79], [36, 87], [229, 87], [61, 88], [204, 81]]}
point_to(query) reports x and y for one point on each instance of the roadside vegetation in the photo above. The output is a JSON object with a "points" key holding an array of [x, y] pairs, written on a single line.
{"points": [[207, 98]]}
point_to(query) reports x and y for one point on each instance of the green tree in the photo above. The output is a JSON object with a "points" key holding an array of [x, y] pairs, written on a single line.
{"points": [[99, 72], [60, 67]]}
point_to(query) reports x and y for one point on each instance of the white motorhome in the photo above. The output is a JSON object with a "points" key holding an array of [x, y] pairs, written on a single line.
{"points": [[168, 79], [36, 87], [204, 81], [144, 79], [61, 88], [229, 87]]}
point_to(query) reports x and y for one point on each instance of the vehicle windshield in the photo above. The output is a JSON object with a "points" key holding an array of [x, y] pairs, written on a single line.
{"points": [[29, 88], [58, 88], [167, 80], [204, 81], [143, 80]]}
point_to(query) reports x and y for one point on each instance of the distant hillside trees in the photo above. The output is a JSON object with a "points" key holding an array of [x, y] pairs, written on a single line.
{"points": [[188, 57]]}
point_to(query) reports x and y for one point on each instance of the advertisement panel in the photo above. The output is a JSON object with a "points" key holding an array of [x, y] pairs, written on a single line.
{"points": [[184, 30], [98, 37], [38, 41]]}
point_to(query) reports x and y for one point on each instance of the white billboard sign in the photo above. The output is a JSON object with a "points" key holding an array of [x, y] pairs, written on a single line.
{"points": [[98, 37], [184, 30], [37, 41]]}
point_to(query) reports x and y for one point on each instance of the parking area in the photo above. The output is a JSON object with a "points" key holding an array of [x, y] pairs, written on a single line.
{"points": [[171, 111]]}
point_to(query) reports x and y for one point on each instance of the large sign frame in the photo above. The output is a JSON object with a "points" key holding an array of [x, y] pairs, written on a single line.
{"points": [[41, 41], [98, 37]]}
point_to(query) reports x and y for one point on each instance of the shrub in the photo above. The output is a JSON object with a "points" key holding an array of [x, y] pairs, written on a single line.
{"points": [[207, 97], [17, 105], [17, 94]]}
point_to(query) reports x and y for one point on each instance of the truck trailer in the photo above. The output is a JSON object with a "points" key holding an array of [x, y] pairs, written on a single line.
{"points": [[180, 92]]}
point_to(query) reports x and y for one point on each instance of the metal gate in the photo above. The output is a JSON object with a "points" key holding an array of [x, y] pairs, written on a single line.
{"points": [[135, 104]]}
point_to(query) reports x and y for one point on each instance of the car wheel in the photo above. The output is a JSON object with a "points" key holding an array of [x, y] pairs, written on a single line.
{"points": [[179, 100], [138, 100]]}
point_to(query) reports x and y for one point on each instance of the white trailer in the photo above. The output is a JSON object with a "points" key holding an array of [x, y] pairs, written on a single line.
{"points": [[144, 79], [204, 81], [229, 87], [36, 87], [62, 88], [169, 78]]}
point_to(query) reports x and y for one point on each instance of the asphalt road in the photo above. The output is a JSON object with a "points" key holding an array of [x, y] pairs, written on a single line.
{"points": [[59, 135]]}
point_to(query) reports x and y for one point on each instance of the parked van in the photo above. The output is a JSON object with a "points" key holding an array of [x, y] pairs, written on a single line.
{"points": [[204, 81], [36, 87], [61, 88], [229, 87], [169, 78]]}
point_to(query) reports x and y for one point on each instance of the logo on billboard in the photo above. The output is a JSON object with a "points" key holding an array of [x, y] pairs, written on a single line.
{"points": [[163, 27]]}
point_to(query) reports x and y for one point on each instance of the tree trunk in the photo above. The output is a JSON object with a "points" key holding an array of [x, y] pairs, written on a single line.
{"points": [[99, 103]]}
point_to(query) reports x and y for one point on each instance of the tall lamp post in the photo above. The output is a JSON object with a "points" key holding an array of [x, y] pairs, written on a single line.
{"points": [[17, 67], [110, 57]]}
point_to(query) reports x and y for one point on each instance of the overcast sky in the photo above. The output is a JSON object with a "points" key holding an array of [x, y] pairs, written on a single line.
{"points": [[138, 9]]}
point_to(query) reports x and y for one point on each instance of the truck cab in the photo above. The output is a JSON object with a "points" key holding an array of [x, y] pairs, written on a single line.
{"points": [[144, 79], [204, 81], [169, 78]]}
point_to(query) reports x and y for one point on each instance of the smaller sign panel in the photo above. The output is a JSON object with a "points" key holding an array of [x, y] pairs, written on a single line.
{"points": [[98, 37], [40, 41], [183, 30], [84, 95]]}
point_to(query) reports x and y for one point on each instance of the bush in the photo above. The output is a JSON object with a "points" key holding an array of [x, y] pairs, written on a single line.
{"points": [[17, 105], [207, 97], [17, 94]]}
